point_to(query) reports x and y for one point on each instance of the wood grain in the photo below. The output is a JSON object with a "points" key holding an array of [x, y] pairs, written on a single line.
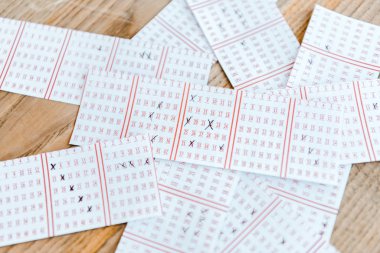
{"points": [[29, 125]]}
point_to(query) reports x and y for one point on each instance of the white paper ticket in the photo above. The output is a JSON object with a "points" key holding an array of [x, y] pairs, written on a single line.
{"points": [[76, 189], [195, 202], [215, 127], [251, 40], [361, 104], [176, 26], [319, 204], [336, 48], [259, 222], [52, 63]]}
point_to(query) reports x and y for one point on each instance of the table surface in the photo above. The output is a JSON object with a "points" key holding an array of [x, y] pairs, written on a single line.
{"points": [[30, 126]]}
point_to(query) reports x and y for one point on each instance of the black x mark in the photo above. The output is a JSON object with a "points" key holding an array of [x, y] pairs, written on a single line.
{"points": [[253, 212], [80, 198], [190, 214], [71, 188], [374, 106], [210, 124], [185, 230], [53, 166], [221, 147], [234, 230], [192, 97], [62, 177], [160, 104], [188, 120], [243, 222], [303, 137], [131, 163], [327, 47], [311, 150], [151, 115], [191, 143], [89, 209], [154, 137], [316, 162], [147, 161], [310, 61], [123, 165]]}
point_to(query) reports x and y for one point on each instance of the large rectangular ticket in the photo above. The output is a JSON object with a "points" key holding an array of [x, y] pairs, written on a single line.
{"points": [[77, 189], [231, 129], [51, 62]]}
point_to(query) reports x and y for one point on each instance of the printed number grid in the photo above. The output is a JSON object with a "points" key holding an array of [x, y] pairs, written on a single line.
{"points": [[208, 125], [361, 137], [77, 189], [258, 222], [195, 201], [52, 63], [251, 40], [176, 26], [336, 48]]}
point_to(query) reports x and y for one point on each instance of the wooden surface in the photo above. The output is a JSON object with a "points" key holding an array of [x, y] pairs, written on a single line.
{"points": [[29, 125]]}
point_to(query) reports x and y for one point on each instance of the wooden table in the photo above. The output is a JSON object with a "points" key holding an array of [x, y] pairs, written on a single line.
{"points": [[29, 125]]}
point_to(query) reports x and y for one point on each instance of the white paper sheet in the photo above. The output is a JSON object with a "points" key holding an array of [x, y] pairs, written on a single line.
{"points": [[251, 40], [336, 48], [77, 189], [215, 127], [360, 100], [175, 26], [259, 222], [195, 201], [52, 63]]}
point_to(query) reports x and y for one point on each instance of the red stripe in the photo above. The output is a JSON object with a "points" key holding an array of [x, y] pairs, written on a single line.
{"points": [[111, 53], [203, 4], [101, 185], [305, 91], [155, 173], [361, 123], [253, 228], [232, 122], [286, 134], [365, 121], [46, 204], [179, 117], [178, 34], [216, 203], [248, 33], [159, 63], [290, 140], [319, 247], [302, 198], [301, 92], [269, 77], [163, 63], [126, 109], [348, 58], [51, 198], [192, 200], [105, 182], [183, 119], [127, 232], [133, 104], [114, 55], [60, 64], [339, 59], [312, 246], [236, 127], [14, 52], [56, 63], [11, 49], [250, 224]]}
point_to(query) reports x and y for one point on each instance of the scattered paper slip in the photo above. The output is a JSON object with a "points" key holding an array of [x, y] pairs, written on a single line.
{"points": [[52, 63], [77, 189], [214, 126], [195, 202], [176, 26], [335, 49], [251, 40]]}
